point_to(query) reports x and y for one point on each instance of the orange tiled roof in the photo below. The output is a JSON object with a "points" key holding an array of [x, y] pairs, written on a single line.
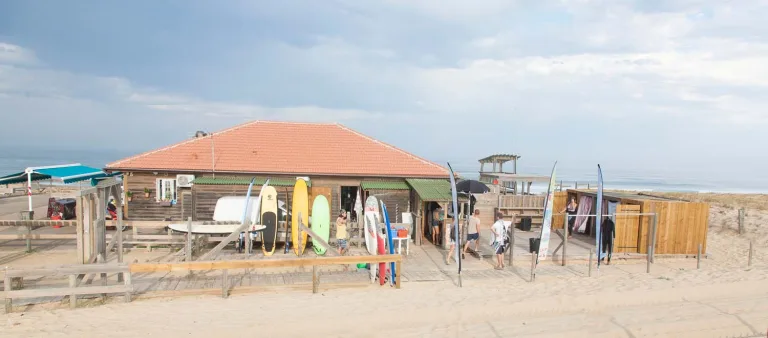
{"points": [[267, 147]]}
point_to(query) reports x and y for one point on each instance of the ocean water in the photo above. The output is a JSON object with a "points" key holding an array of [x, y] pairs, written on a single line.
{"points": [[16, 159]]}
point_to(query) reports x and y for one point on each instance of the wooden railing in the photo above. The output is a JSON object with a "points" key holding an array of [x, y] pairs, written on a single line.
{"points": [[75, 272], [72, 271]]}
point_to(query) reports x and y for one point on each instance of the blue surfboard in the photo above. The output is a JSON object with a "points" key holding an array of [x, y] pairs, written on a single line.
{"points": [[390, 242]]}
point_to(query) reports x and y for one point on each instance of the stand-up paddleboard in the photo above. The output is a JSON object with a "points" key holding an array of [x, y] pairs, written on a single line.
{"points": [[210, 228], [300, 207], [390, 241], [381, 250], [246, 210], [371, 241], [321, 221], [269, 220]]}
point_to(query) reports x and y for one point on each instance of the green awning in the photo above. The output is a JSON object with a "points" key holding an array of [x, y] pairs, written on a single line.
{"points": [[277, 182], [431, 189], [384, 185]]}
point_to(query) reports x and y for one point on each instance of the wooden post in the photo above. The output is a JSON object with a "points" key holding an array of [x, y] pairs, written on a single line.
{"points": [[591, 253], [72, 297], [511, 242], [648, 263], [565, 238], [101, 260], [751, 251], [398, 271], [29, 235], [314, 279], [119, 230], [224, 284], [8, 301], [698, 258], [128, 283], [741, 221], [652, 242], [534, 255], [80, 223], [189, 239]]}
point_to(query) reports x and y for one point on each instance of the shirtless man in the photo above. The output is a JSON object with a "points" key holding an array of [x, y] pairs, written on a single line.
{"points": [[435, 225], [473, 233]]}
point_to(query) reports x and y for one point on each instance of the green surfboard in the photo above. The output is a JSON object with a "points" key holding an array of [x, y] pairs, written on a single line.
{"points": [[321, 221]]}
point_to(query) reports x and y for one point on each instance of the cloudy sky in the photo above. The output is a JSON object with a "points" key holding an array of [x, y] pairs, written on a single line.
{"points": [[642, 85]]}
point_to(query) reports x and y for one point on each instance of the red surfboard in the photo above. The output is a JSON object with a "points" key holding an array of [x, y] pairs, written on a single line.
{"points": [[382, 266]]}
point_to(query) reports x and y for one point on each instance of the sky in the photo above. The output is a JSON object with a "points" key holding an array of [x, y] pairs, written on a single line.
{"points": [[640, 85]]}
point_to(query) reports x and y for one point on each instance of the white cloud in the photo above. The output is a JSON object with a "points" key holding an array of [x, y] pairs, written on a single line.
{"points": [[16, 55]]}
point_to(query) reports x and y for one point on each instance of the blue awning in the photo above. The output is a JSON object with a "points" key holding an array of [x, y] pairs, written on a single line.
{"points": [[69, 173]]}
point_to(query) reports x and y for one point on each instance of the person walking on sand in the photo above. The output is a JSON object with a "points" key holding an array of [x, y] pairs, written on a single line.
{"points": [[473, 235], [570, 211], [453, 246], [341, 233], [498, 240]]}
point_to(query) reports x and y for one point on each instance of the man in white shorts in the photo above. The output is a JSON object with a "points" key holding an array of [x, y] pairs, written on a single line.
{"points": [[498, 240]]}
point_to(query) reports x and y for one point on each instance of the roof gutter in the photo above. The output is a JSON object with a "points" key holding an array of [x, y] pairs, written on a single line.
{"points": [[276, 173]]}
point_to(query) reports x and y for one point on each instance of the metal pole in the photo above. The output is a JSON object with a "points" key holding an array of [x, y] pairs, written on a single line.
{"points": [[652, 252], [591, 253], [698, 258], [189, 239], [565, 238], [648, 263], [751, 250], [534, 256]]}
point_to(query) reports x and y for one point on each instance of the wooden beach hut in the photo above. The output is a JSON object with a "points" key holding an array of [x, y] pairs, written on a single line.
{"points": [[680, 226]]}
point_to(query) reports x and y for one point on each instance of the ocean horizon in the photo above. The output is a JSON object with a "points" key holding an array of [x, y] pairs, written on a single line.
{"points": [[15, 159]]}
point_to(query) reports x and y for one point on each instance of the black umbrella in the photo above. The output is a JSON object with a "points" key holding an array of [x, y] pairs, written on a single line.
{"points": [[472, 186]]}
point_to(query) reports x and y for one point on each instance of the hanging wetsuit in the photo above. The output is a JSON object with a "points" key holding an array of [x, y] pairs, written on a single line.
{"points": [[607, 234]]}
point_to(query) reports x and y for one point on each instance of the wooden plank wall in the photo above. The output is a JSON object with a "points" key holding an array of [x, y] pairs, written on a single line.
{"points": [[627, 229], [205, 197], [560, 201], [396, 201], [147, 209], [681, 226], [522, 201]]}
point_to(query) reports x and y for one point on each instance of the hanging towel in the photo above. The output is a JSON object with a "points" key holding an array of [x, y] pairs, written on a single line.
{"points": [[585, 207]]}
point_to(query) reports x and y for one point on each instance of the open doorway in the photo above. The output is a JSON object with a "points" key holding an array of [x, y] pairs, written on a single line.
{"points": [[347, 202], [430, 208]]}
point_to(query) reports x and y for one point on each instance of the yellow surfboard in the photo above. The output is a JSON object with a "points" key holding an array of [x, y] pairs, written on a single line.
{"points": [[300, 205]]}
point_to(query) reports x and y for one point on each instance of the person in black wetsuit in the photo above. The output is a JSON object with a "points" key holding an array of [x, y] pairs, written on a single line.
{"points": [[570, 209], [607, 234]]}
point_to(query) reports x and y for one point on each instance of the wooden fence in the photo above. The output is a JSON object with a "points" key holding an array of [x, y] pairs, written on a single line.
{"points": [[77, 272], [73, 272]]}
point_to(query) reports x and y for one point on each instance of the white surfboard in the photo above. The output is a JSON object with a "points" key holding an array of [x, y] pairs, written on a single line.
{"points": [[230, 209], [212, 228], [371, 215]]}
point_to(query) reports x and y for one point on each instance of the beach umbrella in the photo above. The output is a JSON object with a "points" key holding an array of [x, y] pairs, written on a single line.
{"points": [[472, 187]]}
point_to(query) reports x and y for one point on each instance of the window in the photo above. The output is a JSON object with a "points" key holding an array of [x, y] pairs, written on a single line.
{"points": [[166, 189]]}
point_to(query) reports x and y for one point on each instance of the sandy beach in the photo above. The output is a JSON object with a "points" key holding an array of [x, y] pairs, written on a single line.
{"points": [[725, 298]]}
